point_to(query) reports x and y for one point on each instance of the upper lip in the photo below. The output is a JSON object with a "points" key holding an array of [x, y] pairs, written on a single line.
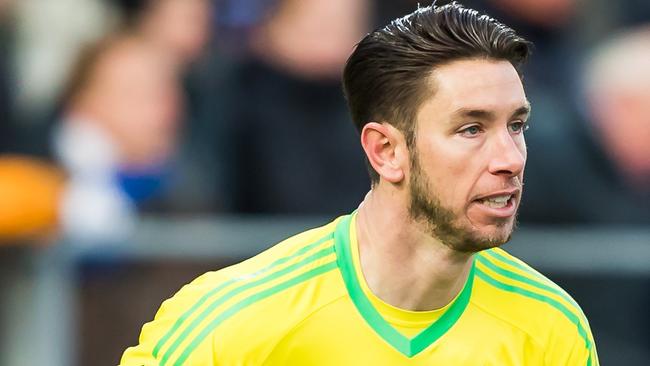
{"points": [[505, 192]]}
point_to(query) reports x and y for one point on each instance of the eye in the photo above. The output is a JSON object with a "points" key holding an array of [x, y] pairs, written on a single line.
{"points": [[518, 127], [471, 131]]}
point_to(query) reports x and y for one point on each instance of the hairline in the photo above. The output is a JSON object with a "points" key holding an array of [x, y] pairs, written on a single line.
{"points": [[427, 90]]}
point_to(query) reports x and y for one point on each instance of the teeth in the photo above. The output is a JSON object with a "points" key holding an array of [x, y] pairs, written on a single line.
{"points": [[497, 202]]}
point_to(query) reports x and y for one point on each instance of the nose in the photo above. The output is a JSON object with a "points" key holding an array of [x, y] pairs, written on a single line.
{"points": [[508, 156]]}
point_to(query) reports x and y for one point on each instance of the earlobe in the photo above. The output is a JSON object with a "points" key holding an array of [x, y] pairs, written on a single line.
{"points": [[381, 141]]}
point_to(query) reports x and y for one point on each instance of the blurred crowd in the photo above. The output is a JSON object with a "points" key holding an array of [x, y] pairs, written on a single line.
{"points": [[114, 108]]}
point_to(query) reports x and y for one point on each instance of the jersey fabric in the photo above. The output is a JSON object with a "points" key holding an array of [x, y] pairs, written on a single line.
{"points": [[305, 302]]}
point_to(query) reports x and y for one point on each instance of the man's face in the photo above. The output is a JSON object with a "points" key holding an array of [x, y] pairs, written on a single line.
{"points": [[467, 166]]}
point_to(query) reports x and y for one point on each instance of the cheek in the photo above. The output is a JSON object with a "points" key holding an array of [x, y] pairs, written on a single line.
{"points": [[452, 170]]}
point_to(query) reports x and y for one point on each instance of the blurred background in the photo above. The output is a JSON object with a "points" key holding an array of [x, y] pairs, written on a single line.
{"points": [[143, 142]]}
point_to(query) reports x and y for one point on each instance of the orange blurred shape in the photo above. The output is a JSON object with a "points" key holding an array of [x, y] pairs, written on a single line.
{"points": [[30, 190]]}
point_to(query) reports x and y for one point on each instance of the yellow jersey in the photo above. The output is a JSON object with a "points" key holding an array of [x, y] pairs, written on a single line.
{"points": [[305, 302]]}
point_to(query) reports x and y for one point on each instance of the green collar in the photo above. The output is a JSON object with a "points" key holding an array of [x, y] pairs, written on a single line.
{"points": [[407, 346]]}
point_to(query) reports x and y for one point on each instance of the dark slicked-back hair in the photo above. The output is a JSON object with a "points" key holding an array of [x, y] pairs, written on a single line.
{"points": [[386, 77]]}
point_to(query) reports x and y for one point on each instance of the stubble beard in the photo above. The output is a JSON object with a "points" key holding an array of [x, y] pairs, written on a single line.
{"points": [[441, 222]]}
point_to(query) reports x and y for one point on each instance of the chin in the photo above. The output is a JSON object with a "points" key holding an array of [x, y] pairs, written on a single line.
{"points": [[477, 239], [494, 236]]}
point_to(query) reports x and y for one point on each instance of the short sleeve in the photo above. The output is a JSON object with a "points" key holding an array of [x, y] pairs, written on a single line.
{"points": [[161, 341], [571, 344]]}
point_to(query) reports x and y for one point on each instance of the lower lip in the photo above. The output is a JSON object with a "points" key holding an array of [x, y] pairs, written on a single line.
{"points": [[503, 212]]}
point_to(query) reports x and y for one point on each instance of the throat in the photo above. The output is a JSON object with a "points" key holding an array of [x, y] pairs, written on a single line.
{"points": [[407, 273], [411, 290]]}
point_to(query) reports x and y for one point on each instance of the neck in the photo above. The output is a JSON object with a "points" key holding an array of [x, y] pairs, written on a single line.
{"points": [[402, 264]]}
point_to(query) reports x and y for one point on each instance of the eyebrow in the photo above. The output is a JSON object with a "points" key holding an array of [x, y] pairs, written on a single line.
{"points": [[523, 111]]}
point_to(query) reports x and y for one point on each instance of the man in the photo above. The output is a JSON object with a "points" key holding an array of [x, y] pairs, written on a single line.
{"points": [[117, 136], [414, 275]]}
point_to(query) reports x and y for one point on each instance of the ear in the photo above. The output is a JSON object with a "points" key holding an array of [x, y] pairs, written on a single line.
{"points": [[385, 148]]}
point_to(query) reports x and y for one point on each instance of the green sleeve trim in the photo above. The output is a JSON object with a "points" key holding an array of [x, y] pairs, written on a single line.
{"points": [[179, 322], [540, 285], [406, 346], [249, 301], [504, 259], [542, 281], [218, 302], [552, 302]]}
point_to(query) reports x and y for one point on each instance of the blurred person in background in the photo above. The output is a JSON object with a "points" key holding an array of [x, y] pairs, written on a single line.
{"points": [[617, 88], [182, 30], [598, 171], [284, 138], [117, 132], [117, 136]]}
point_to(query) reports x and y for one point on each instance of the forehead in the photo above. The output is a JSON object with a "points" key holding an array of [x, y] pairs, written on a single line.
{"points": [[475, 84]]}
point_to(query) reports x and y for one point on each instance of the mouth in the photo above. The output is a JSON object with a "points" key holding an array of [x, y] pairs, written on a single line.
{"points": [[499, 204]]}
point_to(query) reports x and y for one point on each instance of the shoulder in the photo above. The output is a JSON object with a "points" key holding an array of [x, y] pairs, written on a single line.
{"points": [[514, 292], [238, 311]]}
